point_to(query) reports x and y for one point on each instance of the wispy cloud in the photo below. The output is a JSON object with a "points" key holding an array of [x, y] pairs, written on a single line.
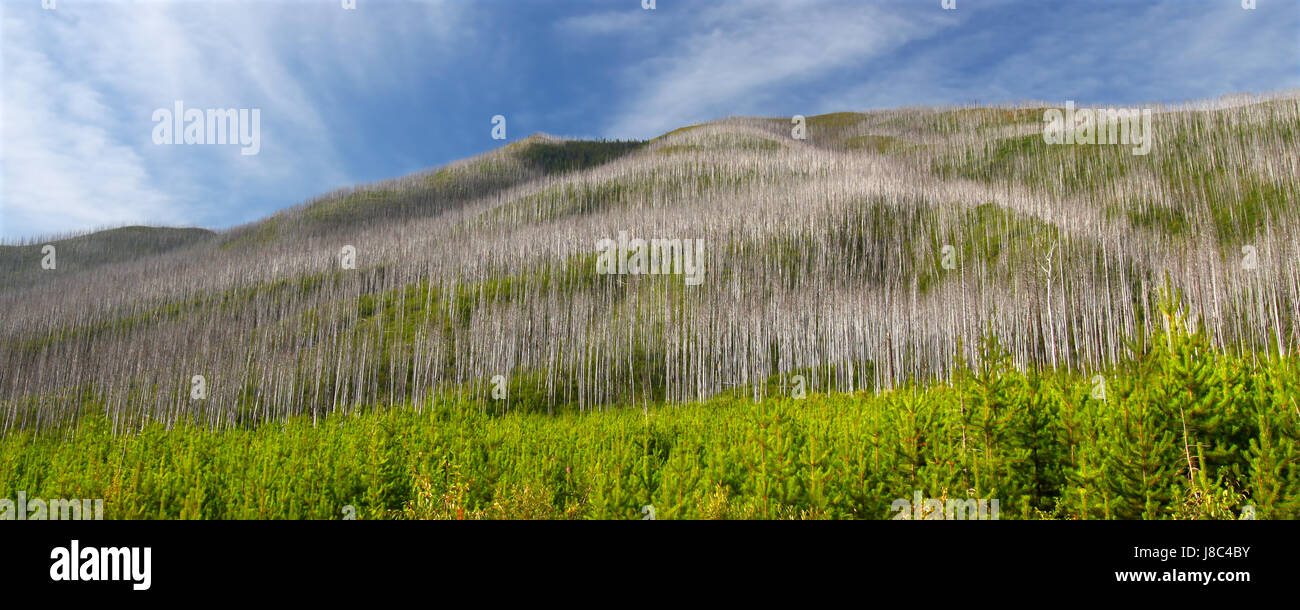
{"points": [[735, 58], [391, 87], [787, 57], [63, 164], [82, 81], [1096, 52]]}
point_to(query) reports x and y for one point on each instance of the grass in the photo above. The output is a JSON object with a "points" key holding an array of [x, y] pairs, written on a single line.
{"points": [[1043, 445], [1150, 216], [678, 131], [835, 120], [877, 144], [227, 302], [255, 236], [992, 238], [1028, 159], [594, 195], [575, 155], [974, 118], [723, 142], [21, 265]]}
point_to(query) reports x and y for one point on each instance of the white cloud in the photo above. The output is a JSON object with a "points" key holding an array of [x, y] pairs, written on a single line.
{"points": [[734, 57], [751, 57], [82, 81], [62, 167]]}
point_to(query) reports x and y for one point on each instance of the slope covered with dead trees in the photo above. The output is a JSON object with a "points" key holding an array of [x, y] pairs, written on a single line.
{"points": [[879, 250]]}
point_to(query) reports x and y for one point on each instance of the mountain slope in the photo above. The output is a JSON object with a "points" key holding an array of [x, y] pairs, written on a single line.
{"points": [[21, 265], [878, 251]]}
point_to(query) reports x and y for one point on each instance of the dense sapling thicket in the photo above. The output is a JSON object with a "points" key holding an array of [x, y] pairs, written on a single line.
{"points": [[1182, 431]]}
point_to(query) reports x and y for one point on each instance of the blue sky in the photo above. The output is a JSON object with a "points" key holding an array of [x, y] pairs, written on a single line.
{"points": [[392, 87]]}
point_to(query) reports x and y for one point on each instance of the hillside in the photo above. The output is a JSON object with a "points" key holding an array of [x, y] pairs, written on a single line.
{"points": [[878, 251], [20, 265], [922, 300]]}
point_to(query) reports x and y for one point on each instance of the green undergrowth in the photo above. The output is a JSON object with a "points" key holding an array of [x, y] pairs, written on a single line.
{"points": [[439, 190], [575, 155], [575, 273], [884, 240], [965, 119], [1197, 160], [991, 237], [835, 120], [226, 301], [254, 236], [584, 197], [1145, 214], [1177, 430], [877, 144], [1028, 159], [724, 142], [398, 317], [1240, 203], [678, 131]]}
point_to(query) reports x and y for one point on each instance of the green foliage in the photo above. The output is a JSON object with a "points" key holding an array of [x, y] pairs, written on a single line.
{"points": [[835, 120], [723, 143], [1240, 203], [679, 130], [574, 155], [1148, 215], [20, 265], [256, 235], [350, 208], [967, 118], [991, 237], [1183, 432], [1060, 168], [820, 245], [226, 302], [877, 144], [584, 197]]}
